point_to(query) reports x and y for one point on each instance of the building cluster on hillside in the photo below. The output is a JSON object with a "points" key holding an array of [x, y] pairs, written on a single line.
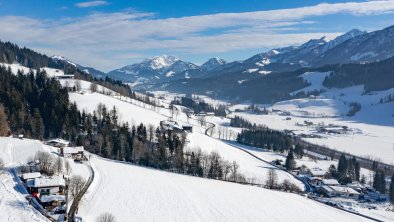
{"points": [[202, 113], [47, 190], [323, 186], [65, 150], [173, 126]]}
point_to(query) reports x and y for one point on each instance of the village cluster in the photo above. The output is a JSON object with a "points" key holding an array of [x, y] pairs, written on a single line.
{"points": [[323, 186], [48, 187]]}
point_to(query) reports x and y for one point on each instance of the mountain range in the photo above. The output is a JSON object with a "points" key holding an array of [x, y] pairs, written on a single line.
{"points": [[354, 46], [243, 79]]}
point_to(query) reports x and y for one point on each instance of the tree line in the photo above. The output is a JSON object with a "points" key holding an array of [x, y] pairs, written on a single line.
{"points": [[387, 99], [102, 133], [200, 106], [33, 104]]}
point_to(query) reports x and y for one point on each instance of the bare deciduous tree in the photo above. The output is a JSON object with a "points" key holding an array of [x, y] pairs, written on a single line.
{"points": [[234, 170], [76, 185], [289, 186], [59, 165], [201, 120], [272, 179], [93, 87], [226, 169], [47, 164], [78, 85], [67, 167], [106, 217]]}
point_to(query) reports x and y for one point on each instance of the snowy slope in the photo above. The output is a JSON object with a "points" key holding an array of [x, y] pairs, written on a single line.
{"points": [[85, 86], [249, 166], [127, 111], [143, 194], [16, 66]]}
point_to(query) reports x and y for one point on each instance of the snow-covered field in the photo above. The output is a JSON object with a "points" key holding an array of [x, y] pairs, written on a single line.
{"points": [[133, 193], [372, 132]]}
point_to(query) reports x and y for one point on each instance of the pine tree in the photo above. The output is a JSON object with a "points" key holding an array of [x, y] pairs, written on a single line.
{"points": [[290, 162], [357, 171], [299, 150], [333, 171], [38, 125], [379, 181], [4, 128]]}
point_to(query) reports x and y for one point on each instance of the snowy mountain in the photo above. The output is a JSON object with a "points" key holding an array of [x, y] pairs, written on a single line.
{"points": [[213, 64], [157, 69], [58, 59], [354, 46], [303, 55], [88, 70], [367, 47]]}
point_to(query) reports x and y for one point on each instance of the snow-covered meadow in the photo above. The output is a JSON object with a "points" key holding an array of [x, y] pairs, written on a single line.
{"points": [[133, 193], [372, 133]]}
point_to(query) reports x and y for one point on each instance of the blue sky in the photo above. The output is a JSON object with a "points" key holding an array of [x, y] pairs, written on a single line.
{"points": [[110, 34]]}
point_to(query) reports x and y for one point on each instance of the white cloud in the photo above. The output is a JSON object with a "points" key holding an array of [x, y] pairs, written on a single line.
{"points": [[104, 40], [91, 4]]}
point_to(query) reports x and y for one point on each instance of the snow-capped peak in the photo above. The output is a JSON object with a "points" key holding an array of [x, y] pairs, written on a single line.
{"points": [[61, 58], [160, 62], [314, 42], [213, 63]]}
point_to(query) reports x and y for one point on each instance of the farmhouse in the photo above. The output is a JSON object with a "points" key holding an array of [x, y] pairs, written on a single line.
{"points": [[187, 128], [210, 113], [315, 181], [201, 114], [72, 152], [170, 125], [340, 191], [317, 172], [58, 142], [65, 76], [46, 185], [330, 182], [52, 200]]}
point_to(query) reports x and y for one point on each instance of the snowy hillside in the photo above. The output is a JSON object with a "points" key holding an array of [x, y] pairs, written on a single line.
{"points": [[145, 194], [16, 66], [135, 112]]}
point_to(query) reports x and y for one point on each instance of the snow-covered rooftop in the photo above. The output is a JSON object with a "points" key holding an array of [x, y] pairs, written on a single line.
{"points": [[52, 181], [318, 172], [50, 198], [72, 150], [343, 189], [331, 182], [60, 141], [27, 176]]}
